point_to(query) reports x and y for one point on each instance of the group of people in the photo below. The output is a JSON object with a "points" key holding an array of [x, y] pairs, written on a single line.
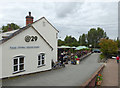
{"points": [[65, 57]]}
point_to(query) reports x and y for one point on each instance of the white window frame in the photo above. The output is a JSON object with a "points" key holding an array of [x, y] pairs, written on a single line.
{"points": [[18, 64], [41, 59]]}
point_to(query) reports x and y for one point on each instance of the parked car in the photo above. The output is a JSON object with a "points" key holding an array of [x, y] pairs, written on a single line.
{"points": [[96, 51], [113, 56]]}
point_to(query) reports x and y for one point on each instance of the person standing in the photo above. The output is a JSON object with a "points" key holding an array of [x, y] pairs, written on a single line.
{"points": [[71, 58], [117, 58], [66, 58]]}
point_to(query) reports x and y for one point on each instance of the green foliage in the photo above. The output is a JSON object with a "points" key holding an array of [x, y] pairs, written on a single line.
{"points": [[13, 27], [5, 28], [82, 40], [102, 56], [71, 50], [94, 36], [60, 42], [70, 41], [108, 47]]}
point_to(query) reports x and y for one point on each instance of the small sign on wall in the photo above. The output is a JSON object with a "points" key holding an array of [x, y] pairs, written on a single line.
{"points": [[24, 47], [30, 38]]}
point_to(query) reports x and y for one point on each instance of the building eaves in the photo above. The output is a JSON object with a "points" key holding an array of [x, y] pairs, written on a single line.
{"points": [[47, 21], [14, 34], [24, 28]]}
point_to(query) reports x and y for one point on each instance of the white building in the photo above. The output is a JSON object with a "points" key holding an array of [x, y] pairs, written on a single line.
{"points": [[29, 49]]}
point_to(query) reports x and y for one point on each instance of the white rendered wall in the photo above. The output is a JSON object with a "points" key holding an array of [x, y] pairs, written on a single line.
{"points": [[49, 33], [31, 55], [0, 61]]}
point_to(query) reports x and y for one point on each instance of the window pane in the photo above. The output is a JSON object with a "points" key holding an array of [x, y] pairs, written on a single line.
{"points": [[21, 59], [43, 56], [39, 63], [15, 61], [39, 57], [15, 68], [21, 67], [42, 61]]}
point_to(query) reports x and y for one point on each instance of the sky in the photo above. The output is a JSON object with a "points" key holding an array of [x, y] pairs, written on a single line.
{"points": [[69, 17]]}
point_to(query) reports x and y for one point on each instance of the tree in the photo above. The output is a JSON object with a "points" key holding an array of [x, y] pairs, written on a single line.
{"points": [[108, 47], [12, 25], [94, 36], [5, 28], [91, 36], [82, 40], [70, 41], [60, 42]]}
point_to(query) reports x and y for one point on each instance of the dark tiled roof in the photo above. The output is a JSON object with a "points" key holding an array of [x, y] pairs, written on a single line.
{"points": [[15, 33]]}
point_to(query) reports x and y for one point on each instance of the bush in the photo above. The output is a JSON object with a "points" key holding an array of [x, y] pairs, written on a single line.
{"points": [[102, 56], [108, 47]]}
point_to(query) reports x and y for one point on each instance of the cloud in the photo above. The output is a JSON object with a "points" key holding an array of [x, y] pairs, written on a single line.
{"points": [[64, 9], [92, 14], [70, 18]]}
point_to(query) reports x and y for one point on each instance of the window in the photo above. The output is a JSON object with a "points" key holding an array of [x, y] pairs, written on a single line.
{"points": [[41, 59], [18, 64]]}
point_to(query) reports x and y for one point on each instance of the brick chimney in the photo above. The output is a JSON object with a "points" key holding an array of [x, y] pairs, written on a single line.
{"points": [[29, 19]]}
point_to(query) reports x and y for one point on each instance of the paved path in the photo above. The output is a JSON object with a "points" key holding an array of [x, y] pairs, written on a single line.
{"points": [[71, 75], [110, 73]]}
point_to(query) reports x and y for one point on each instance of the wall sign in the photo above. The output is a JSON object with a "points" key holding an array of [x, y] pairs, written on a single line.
{"points": [[24, 47], [30, 38]]}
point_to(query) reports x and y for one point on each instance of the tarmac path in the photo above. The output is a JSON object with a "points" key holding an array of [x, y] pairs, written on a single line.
{"points": [[110, 73], [71, 75]]}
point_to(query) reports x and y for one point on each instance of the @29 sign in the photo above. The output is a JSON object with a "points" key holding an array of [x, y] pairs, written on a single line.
{"points": [[30, 38]]}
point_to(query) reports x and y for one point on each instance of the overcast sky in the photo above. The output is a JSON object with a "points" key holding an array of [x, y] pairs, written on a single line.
{"points": [[70, 18]]}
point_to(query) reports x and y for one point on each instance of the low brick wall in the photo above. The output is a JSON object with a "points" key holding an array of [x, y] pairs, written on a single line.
{"points": [[91, 81]]}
